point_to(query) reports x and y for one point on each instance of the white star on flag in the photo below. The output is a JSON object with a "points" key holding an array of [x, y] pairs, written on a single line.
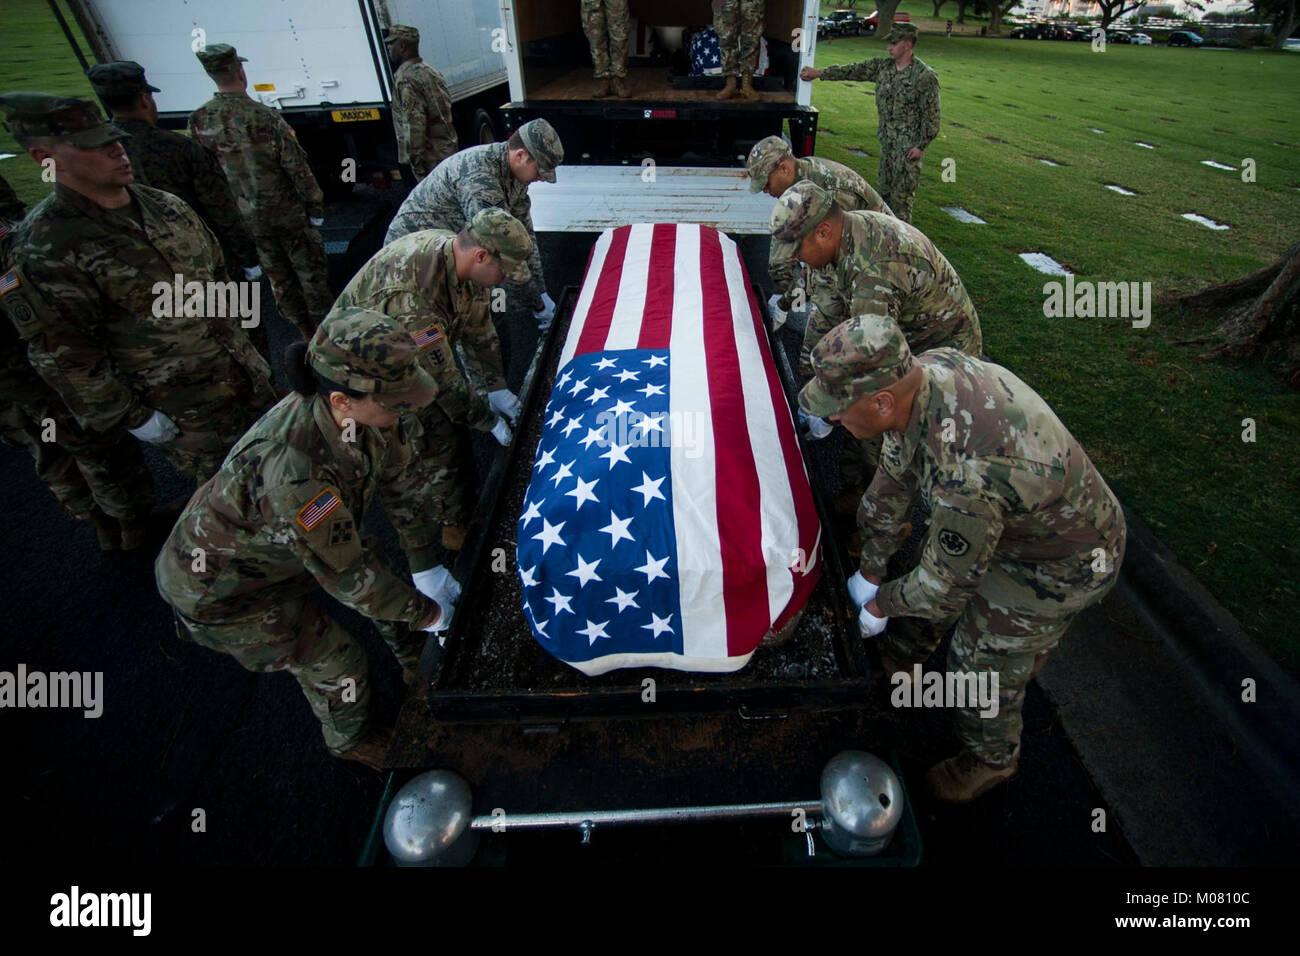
{"points": [[526, 577], [593, 436], [531, 513], [605, 363], [653, 567], [582, 492], [626, 375], [623, 599], [560, 601], [621, 408], [558, 416], [654, 360], [651, 390], [565, 471], [594, 630], [585, 571], [597, 395], [650, 489], [549, 535], [573, 423], [649, 423], [548, 458], [616, 454], [578, 386], [658, 624], [617, 529]]}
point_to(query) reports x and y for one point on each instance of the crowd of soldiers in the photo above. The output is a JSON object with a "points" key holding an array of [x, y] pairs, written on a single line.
{"points": [[388, 378]]}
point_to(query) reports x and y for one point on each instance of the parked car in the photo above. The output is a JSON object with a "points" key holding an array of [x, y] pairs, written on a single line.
{"points": [[1033, 31], [900, 16], [1118, 36], [1185, 38], [1141, 39], [1065, 33], [846, 23]]}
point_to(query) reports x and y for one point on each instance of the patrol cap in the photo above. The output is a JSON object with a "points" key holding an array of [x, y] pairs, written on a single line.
{"points": [[858, 357], [61, 118], [541, 140], [763, 158], [505, 236], [369, 352], [120, 78], [902, 31], [219, 58], [399, 31], [799, 210]]}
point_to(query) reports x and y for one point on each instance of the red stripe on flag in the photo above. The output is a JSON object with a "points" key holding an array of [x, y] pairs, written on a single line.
{"points": [[740, 531], [804, 509], [600, 314], [657, 319]]}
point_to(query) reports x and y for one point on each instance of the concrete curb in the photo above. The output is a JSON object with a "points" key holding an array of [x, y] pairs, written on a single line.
{"points": [[1218, 655]]}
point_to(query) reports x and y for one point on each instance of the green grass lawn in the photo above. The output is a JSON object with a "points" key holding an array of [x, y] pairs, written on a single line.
{"points": [[1163, 423]]}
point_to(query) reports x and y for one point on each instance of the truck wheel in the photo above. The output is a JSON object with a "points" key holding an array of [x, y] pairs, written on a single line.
{"points": [[485, 130]]}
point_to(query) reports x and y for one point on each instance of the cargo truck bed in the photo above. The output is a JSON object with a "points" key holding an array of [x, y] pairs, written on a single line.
{"points": [[654, 83]]}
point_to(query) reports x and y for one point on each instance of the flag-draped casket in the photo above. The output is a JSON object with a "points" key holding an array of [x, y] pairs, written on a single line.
{"points": [[669, 520]]}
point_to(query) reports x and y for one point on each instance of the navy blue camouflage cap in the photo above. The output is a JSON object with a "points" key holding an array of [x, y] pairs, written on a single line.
{"points": [[63, 119], [119, 78]]}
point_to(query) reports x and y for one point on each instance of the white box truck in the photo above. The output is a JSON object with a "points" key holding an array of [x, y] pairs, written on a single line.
{"points": [[321, 62]]}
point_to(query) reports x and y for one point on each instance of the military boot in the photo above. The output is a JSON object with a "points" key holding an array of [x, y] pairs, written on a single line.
{"points": [[604, 88], [371, 751], [620, 88], [729, 91], [453, 537], [965, 777], [747, 88], [107, 531]]}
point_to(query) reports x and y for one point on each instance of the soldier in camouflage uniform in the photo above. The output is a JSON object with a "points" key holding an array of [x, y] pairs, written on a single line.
{"points": [[436, 285], [907, 107], [117, 351], [97, 477], [739, 25], [773, 169], [174, 163], [483, 177], [422, 118], [606, 24], [279, 197], [1024, 532], [283, 518], [881, 266]]}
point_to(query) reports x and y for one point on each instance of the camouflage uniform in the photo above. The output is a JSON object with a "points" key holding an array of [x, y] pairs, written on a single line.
{"points": [[176, 164], [83, 468], [283, 518], [1024, 532], [422, 119], [849, 190], [414, 281], [277, 193], [479, 178], [606, 23], [907, 107], [101, 344], [743, 18]]}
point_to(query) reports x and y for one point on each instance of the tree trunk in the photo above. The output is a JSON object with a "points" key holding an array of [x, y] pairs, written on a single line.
{"points": [[886, 10], [995, 16], [961, 10], [1284, 24], [937, 4], [1260, 314]]}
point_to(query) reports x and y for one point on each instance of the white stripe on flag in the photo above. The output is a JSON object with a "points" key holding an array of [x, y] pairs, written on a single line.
{"points": [[694, 479], [625, 330], [779, 526], [581, 310]]}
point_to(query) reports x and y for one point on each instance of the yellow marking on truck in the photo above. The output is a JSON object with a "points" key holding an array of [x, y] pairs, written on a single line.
{"points": [[264, 87], [353, 116]]}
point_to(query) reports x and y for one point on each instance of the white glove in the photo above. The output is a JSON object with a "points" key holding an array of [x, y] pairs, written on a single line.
{"points": [[158, 429], [316, 222], [547, 312], [252, 273], [869, 624], [861, 590], [501, 432], [818, 428], [439, 586], [778, 314], [505, 402]]}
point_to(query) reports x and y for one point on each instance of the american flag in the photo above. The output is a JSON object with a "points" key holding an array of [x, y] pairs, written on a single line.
{"points": [[669, 520]]}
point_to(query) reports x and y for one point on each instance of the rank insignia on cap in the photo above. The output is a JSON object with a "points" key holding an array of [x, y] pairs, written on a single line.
{"points": [[426, 337], [316, 510], [9, 281]]}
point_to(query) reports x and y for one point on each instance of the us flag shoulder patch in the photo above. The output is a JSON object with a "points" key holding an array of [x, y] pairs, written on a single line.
{"points": [[427, 337], [9, 281], [316, 510]]}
